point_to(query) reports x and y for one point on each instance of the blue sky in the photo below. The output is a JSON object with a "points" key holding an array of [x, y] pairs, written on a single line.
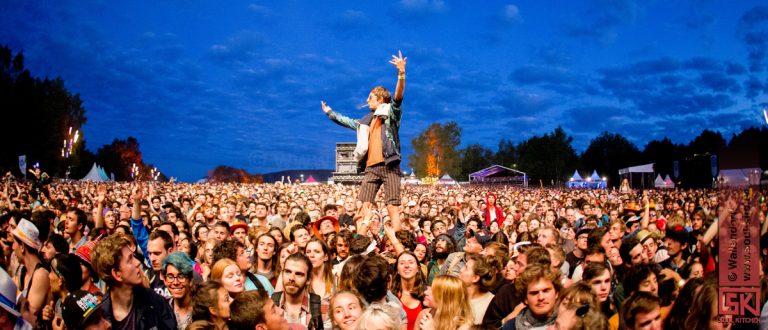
{"points": [[203, 83]]}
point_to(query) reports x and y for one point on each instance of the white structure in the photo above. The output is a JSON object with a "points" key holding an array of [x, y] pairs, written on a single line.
{"points": [[96, 174], [740, 177]]}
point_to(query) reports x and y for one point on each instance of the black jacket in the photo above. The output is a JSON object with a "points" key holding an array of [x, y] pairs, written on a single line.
{"points": [[150, 309]]}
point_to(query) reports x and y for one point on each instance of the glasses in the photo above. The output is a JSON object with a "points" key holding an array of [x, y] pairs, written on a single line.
{"points": [[581, 311], [181, 278]]}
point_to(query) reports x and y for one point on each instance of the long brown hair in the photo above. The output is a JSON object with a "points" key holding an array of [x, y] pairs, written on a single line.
{"points": [[420, 284], [327, 267]]}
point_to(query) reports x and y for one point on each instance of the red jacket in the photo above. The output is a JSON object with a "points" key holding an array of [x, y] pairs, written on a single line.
{"points": [[487, 214]]}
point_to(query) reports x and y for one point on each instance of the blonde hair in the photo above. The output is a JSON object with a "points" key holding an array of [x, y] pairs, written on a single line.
{"points": [[217, 271], [452, 310], [378, 316]]}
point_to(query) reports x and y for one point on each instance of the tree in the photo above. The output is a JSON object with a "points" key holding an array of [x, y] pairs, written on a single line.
{"points": [[507, 154], [608, 153], [41, 112], [549, 158], [663, 153], [695, 169], [473, 158], [119, 158], [229, 174], [435, 150]]}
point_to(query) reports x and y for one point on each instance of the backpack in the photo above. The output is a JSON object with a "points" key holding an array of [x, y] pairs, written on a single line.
{"points": [[316, 321], [255, 281]]}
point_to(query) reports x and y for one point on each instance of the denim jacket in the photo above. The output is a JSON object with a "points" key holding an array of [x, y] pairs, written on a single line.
{"points": [[390, 133]]}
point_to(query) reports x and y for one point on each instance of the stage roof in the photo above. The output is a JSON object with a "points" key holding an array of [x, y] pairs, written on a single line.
{"points": [[495, 170]]}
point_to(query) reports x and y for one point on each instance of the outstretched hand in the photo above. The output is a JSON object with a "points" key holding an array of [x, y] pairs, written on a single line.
{"points": [[399, 61], [325, 107]]}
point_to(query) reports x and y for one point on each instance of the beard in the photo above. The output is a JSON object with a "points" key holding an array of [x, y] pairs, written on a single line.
{"points": [[441, 255]]}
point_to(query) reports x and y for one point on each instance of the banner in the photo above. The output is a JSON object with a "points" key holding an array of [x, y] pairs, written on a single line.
{"points": [[676, 166], [23, 165], [713, 164]]}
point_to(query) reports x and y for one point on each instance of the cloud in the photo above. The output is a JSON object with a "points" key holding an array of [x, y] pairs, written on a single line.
{"points": [[353, 24], [238, 49], [512, 14], [601, 20], [261, 11], [752, 30], [416, 11]]}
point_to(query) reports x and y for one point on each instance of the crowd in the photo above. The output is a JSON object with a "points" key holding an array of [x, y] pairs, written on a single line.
{"points": [[82, 255]]}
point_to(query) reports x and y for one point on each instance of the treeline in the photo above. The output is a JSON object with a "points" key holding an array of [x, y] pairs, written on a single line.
{"points": [[39, 114], [551, 158]]}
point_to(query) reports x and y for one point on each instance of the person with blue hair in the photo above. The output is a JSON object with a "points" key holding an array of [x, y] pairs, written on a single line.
{"points": [[178, 273]]}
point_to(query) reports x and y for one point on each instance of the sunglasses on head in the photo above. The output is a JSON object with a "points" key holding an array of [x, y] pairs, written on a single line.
{"points": [[582, 310]]}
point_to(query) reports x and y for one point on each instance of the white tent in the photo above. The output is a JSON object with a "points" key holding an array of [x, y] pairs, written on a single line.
{"points": [[669, 182], [661, 183], [95, 174], [411, 179], [576, 176], [741, 177], [642, 170], [446, 179], [595, 177]]}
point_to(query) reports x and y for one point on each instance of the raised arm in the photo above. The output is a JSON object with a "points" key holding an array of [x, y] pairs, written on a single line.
{"points": [[338, 118], [399, 63]]}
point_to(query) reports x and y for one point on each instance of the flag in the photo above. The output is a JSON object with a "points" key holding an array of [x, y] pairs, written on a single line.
{"points": [[23, 165]]}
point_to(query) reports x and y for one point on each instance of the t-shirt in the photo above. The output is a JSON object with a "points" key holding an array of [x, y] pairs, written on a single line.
{"points": [[158, 286], [479, 306], [375, 152], [128, 323]]}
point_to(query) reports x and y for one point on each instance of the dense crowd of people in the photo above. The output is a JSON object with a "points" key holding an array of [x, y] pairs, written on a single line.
{"points": [[83, 255]]}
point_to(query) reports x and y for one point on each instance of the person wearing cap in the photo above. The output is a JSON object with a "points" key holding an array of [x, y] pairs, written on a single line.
{"points": [[84, 310], [10, 318], [324, 226], [678, 241], [456, 261], [575, 257], [651, 248], [33, 280], [129, 305], [65, 276]]}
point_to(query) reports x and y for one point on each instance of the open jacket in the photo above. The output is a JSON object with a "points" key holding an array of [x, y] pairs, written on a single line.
{"points": [[390, 133], [150, 310]]}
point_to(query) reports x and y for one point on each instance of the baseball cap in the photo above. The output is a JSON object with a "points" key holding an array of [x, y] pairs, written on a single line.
{"points": [[81, 307]]}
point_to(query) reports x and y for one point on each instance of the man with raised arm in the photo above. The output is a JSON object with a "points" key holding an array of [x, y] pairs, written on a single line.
{"points": [[378, 142]]}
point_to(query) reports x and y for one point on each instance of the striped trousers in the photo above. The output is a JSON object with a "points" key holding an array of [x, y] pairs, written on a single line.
{"points": [[378, 175]]}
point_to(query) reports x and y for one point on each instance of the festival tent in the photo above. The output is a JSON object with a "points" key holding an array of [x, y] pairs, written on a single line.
{"points": [[575, 181], [661, 183], [669, 182], [95, 174], [411, 179], [498, 174], [640, 171], [740, 177], [446, 180], [310, 181]]}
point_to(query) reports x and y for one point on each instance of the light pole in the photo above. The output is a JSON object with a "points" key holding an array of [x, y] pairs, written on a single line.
{"points": [[68, 148]]}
